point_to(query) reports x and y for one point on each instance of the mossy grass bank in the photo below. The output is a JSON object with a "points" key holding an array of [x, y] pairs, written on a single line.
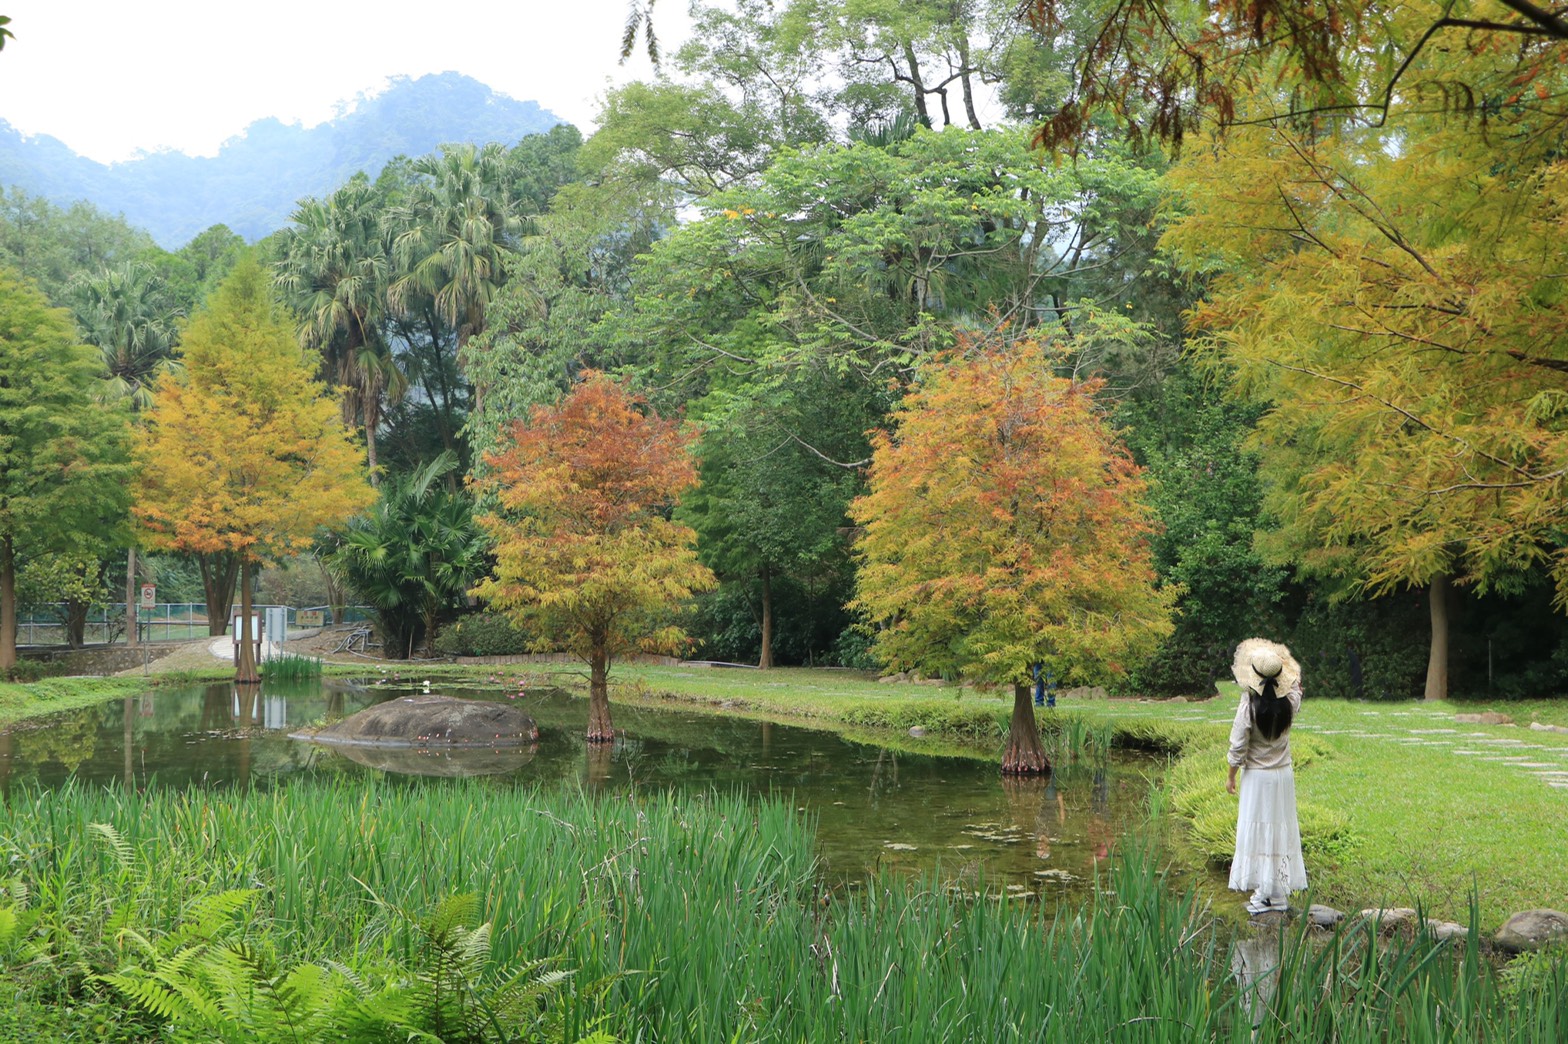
{"points": [[219, 915], [21, 700]]}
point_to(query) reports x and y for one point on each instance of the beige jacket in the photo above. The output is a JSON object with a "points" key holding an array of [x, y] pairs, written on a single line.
{"points": [[1248, 748]]}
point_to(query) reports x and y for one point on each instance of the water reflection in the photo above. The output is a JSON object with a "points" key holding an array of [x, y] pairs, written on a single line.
{"points": [[874, 807], [1254, 959]]}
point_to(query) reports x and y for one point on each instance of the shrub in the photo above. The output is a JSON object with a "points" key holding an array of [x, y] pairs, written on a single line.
{"points": [[483, 634], [25, 671]]}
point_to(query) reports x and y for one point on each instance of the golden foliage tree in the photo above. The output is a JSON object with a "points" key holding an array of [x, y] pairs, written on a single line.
{"points": [[586, 553], [1397, 295], [1005, 528], [244, 452]]}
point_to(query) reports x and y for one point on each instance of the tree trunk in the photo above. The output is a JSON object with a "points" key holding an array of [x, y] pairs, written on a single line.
{"points": [[217, 581], [1437, 657], [370, 454], [245, 672], [600, 729], [1025, 756], [132, 639], [917, 86], [337, 599], [7, 603], [765, 659], [76, 623], [964, 79]]}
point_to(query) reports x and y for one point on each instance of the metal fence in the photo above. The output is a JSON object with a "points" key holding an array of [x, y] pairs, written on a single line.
{"points": [[164, 622]]}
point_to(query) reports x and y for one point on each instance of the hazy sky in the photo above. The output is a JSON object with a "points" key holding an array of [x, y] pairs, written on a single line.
{"points": [[109, 77]]}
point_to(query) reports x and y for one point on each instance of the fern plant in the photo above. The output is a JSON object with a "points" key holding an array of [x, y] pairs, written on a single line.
{"points": [[214, 979]]}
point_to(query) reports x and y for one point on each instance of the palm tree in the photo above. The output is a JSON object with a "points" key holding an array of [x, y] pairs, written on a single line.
{"points": [[453, 235], [413, 556], [333, 271], [124, 312]]}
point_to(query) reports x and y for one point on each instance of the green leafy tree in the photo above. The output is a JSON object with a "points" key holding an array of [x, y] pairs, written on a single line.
{"points": [[781, 461], [124, 311], [64, 469], [864, 258]]}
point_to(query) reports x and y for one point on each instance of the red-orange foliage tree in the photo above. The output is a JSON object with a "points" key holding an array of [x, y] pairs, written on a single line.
{"points": [[586, 553], [1005, 528]]}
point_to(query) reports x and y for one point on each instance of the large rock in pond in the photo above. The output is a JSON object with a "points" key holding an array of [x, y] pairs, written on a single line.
{"points": [[434, 736]]}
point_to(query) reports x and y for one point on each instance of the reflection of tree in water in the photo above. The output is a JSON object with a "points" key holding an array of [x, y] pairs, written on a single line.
{"points": [[1037, 807], [1100, 833], [884, 775], [68, 738], [598, 763]]}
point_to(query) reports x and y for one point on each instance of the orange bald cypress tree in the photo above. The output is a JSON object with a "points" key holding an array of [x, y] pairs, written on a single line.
{"points": [[244, 452], [586, 553], [1004, 528]]}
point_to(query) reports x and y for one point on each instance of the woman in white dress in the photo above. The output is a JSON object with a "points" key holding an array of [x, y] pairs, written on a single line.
{"points": [[1268, 837]]}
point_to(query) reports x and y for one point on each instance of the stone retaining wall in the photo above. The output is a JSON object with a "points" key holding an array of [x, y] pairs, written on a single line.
{"points": [[102, 660]]}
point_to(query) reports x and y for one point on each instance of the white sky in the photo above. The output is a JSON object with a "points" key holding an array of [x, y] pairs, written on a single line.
{"points": [[110, 77]]}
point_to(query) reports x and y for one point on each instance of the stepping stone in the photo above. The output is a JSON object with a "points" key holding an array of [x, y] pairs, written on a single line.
{"points": [[1433, 732], [1468, 753], [1531, 764], [1560, 785]]}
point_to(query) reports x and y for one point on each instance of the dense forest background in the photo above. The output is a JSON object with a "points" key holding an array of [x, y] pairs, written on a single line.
{"points": [[769, 239]]}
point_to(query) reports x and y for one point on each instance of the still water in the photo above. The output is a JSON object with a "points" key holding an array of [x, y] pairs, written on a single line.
{"points": [[875, 807]]}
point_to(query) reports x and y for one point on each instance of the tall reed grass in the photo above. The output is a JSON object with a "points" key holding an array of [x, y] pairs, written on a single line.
{"points": [[290, 668], [707, 921]]}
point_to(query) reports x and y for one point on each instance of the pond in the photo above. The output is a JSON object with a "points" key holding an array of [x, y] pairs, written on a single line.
{"points": [[875, 807]]}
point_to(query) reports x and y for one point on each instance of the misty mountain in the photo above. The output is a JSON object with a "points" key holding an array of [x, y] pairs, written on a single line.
{"points": [[254, 181]]}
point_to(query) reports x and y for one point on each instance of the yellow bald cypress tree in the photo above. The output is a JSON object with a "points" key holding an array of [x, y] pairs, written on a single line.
{"points": [[244, 451]]}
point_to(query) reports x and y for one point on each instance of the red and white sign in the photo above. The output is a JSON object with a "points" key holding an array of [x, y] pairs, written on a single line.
{"points": [[149, 596]]}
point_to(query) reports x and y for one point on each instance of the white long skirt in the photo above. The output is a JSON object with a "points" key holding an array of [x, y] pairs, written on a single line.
{"points": [[1268, 837]]}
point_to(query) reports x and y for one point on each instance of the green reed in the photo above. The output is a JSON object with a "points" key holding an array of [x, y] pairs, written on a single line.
{"points": [[287, 667], [704, 920]]}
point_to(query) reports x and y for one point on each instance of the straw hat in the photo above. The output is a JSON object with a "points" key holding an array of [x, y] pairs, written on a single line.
{"points": [[1258, 659]]}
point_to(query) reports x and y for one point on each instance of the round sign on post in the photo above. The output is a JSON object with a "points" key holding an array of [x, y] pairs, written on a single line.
{"points": [[149, 596]]}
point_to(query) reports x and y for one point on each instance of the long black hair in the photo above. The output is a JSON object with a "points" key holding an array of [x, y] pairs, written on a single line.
{"points": [[1270, 714]]}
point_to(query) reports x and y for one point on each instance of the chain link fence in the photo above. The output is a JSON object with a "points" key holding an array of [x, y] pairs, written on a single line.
{"points": [[45, 625]]}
